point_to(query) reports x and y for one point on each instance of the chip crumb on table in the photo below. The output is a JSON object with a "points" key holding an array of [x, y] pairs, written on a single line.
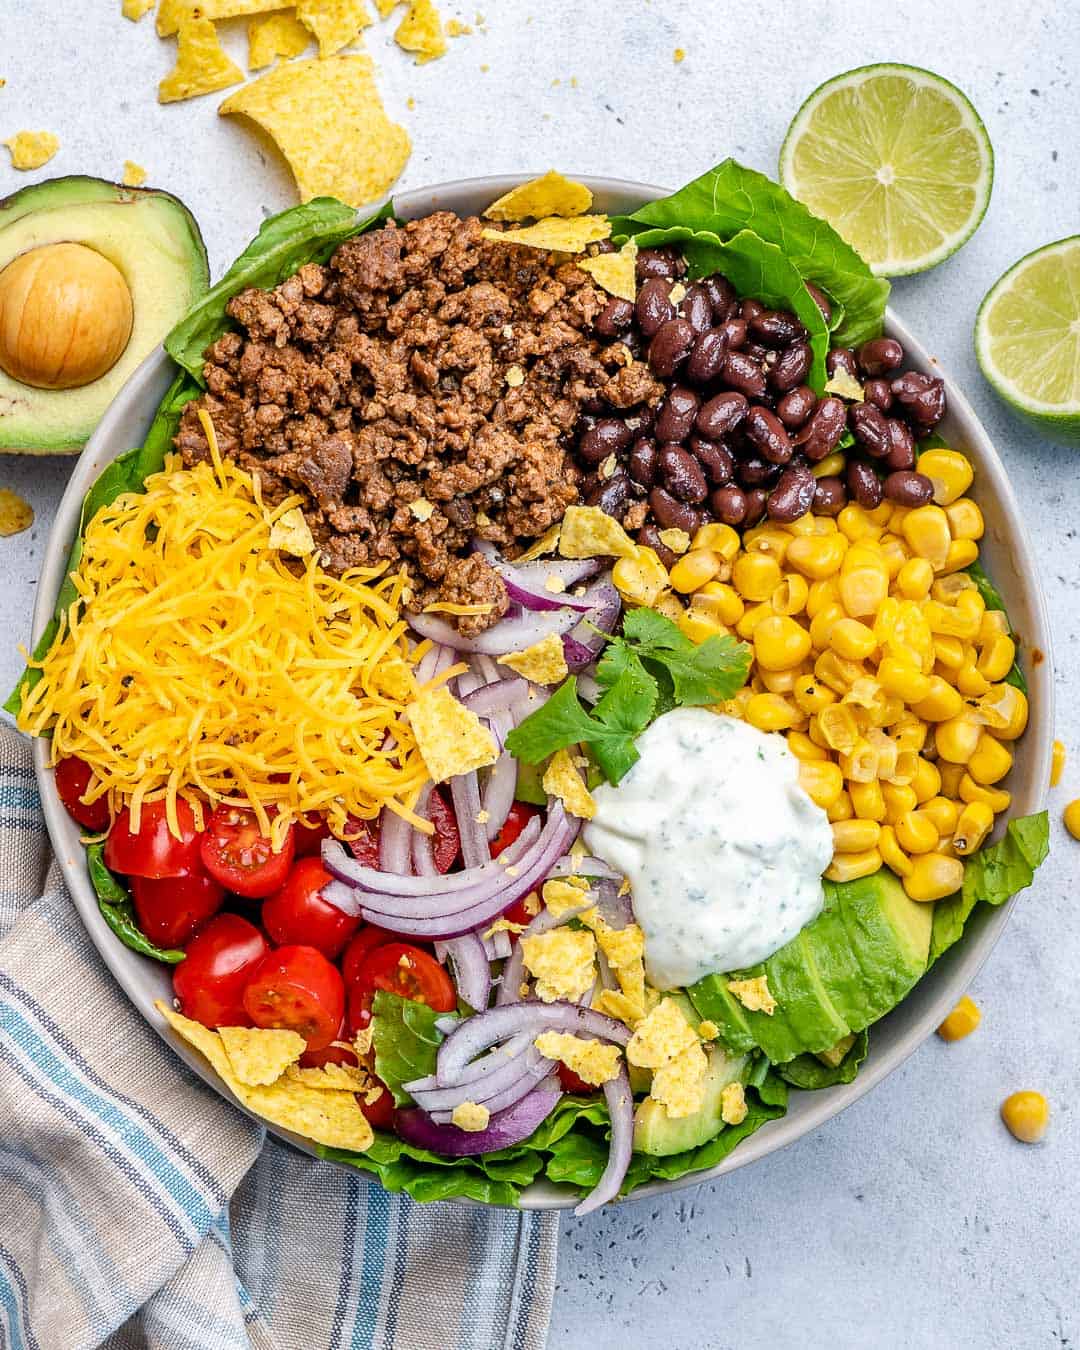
{"points": [[31, 149]]}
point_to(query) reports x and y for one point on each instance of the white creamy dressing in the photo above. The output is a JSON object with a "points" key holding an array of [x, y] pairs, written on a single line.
{"points": [[723, 849]]}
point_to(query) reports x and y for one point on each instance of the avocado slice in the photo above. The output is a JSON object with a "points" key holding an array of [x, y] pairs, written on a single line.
{"points": [[658, 1133], [152, 238]]}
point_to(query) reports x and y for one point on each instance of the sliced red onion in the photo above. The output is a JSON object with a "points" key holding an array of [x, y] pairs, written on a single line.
{"points": [[513, 973], [447, 1023], [423, 853], [508, 635], [504, 1129], [476, 1034], [531, 1075], [585, 866], [583, 643], [497, 796], [496, 696], [620, 1103], [607, 979], [537, 599], [428, 1093], [498, 946], [488, 670], [343, 897], [395, 843], [465, 792], [469, 963], [616, 909], [588, 686], [492, 1062]]}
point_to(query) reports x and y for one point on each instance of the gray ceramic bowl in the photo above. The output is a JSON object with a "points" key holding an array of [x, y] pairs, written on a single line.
{"points": [[1006, 549]]}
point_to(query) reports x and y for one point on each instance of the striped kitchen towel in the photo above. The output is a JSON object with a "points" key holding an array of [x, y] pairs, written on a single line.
{"points": [[140, 1211]]}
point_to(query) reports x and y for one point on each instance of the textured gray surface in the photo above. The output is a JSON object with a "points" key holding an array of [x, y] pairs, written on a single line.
{"points": [[912, 1220]]}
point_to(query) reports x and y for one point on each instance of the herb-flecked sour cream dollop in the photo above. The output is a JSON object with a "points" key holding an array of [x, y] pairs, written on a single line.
{"points": [[723, 849]]}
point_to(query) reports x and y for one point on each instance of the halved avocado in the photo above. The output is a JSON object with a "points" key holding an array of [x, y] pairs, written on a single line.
{"points": [[152, 238]]}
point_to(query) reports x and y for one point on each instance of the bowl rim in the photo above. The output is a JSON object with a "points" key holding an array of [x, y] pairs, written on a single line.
{"points": [[939, 988]]}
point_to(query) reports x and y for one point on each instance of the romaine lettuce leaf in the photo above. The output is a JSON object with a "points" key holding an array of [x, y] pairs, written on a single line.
{"points": [[992, 600], [118, 911], [810, 1073], [405, 1040]]}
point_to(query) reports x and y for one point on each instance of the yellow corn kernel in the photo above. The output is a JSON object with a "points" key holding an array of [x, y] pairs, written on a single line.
{"points": [[961, 1022], [885, 749], [1057, 763], [821, 595], [780, 643], [752, 616], [810, 525], [902, 680], [755, 576], [811, 696], [949, 471], [948, 590], [855, 836], [772, 712], [944, 813], [907, 764], [721, 600], [897, 518], [957, 738], [852, 640], [719, 538], [854, 523], [781, 681], [969, 682], [909, 732], [851, 866], [1026, 1116], [817, 556], [916, 832], [698, 627], [791, 595], [1071, 818], [863, 553], [860, 764], [997, 657], [991, 760], [951, 776], [899, 799], [821, 780], [867, 697], [926, 530], [736, 707], [862, 590], [962, 553], [933, 876], [821, 625], [841, 809], [773, 540], [694, 569], [640, 579], [867, 801], [837, 673], [951, 621], [803, 748], [1005, 709], [895, 554], [915, 578], [993, 622], [970, 601], [831, 466], [927, 780], [941, 703], [974, 824], [892, 855], [997, 799], [839, 728], [669, 605], [813, 730], [965, 519]]}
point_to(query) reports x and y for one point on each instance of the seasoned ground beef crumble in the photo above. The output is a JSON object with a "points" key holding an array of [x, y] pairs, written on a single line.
{"points": [[426, 368]]}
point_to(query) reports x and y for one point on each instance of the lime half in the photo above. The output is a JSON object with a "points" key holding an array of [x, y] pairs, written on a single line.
{"points": [[896, 160], [1027, 338]]}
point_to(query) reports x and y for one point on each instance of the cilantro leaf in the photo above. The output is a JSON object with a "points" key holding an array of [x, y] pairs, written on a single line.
{"points": [[627, 707], [562, 721], [701, 673]]}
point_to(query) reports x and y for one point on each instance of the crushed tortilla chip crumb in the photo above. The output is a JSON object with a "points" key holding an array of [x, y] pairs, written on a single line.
{"points": [[593, 1061], [450, 738], [615, 272], [561, 961], [504, 926], [564, 894], [331, 1077], [202, 65], [678, 55], [679, 1085], [136, 9], [662, 1036], [16, 514], [387, 7], [555, 233], [259, 1055], [547, 543], [554, 584], [707, 1030], [562, 780], [134, 174], [421, 509], [543, 663], [588, 532], [549, 195], [754, 994], [733, 1104], [470, 1117], [421, 32], [274, 35], [844, 385], [291, 534], [335, 23], [515, 377], [170, 12], [676, 540], [31, 149], [455, 28]]}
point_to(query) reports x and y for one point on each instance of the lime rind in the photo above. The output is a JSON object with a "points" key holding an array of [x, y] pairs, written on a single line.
{"points": [[965, 141]]}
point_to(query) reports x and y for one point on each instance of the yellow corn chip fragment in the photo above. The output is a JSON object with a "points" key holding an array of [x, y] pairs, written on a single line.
{"points": [[387, 7], [679, 1085], [754, 994], [452, 607], [587, 532], [555, 233], [259, 1056], [421, 509], [421, 32], [201, 64], [562, 895], [291, 533], [615, 272], [331, 1077], [31, 149], [561, 779], [593, 1061], [335, 23], [547, 543], [455, 28], [733, 1104], [134, 174], [136, 9], [675, 539], [329, 123], [543, 662], [275, 35], [549, 195], [662, 1036], [16, 514], [470, 1117], [171, 12], [330, 1118], [450, 738], [845, 385], [620, 1006]]}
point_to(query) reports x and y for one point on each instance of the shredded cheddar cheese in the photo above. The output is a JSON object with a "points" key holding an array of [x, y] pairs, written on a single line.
{"points": [[201, 662]]}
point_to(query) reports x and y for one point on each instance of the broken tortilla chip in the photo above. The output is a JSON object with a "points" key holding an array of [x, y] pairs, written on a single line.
{"points": [[543, 663], [329, 123], [291, 534], [387, 7], [134, 174], [615, 272], [331, 1077], [335, 23], [259, 1056], [556, 234], [275, 35], [450, 738], [31, 149], [16, 514], [136, 9], [587, 532], [171, 12], [201, 64], [421, 32], [561, 779], [549, 195], [547, 543]]}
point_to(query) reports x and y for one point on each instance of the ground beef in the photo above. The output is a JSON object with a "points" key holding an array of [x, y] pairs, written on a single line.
{"points": [[419, 391]]}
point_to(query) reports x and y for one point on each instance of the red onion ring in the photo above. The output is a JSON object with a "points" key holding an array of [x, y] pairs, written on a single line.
{"points": [[620, 1103], [469, 964], [582, 644], [508, 1127], [496, 696], [476, 1034], [429, 1094]]}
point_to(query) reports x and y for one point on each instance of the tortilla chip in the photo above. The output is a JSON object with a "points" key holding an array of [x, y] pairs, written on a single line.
{"points": [[450, 738], [171, 12], [547, 543], [543, 663], [588, 533], [330, 1118], [136, 9], [755, 994], [460, 611], [421, 32], [201, 64], [387, 7], [329, 123], [291, 534], [556, 234], [134, 174], [16, 514], [335, 23], [561, 779], [845, 385], [421, 509], [331, 1077], [31, 149], [272, 36], [455, 28], [562, 895], [259, 1056], [615, 272], [549, 195]]}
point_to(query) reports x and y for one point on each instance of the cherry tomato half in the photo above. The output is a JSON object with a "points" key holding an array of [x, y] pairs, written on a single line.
{"points": [[72, 777], [173, 909], [330, 1054], [446, 844], [380, 1112], [362, 838], [573, 1084], [367, 939], [297, 988], [403, 969], [520, 815], [298, 913], [307, 839], [209, 982], [154, 851], [239, 855]]}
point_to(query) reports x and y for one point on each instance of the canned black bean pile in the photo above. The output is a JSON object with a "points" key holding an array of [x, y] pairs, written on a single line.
{"points": [[738, 434]]}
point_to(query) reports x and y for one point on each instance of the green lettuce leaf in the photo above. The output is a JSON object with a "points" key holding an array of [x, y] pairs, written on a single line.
{"points": [[992, 600], [731, 197], [405, 1040], [810, 1073], [993, 875], [118, 911]]}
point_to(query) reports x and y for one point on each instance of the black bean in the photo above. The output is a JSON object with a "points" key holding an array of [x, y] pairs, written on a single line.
{"points": [[716, 459], [921, 398], [756, 502], [830, 496], [776, 327], [729, 504], [682, 475], [863, 484], [653, 306], [675, 416], [819, 435], [757, 351], [792, 366], [793, 495], [643, 458], [878, 393], [907, 488], [870, 428], [721, 415], [734, 331], [879, 356], [749, 307], [842, 359], [743, 374], [643, 419], [796, 406], [696, 308], [722, 296], [672, 514], [610, 436], [649, 536], [660, 262], [820, 299], [633, 342], [615, 318], [764, 430], [707, 358], [612, 496], [756, 472], [901, 445], [670, 346]]}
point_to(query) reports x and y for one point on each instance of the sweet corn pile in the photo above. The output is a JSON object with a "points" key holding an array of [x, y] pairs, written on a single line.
{"points": [[875, 654]]}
